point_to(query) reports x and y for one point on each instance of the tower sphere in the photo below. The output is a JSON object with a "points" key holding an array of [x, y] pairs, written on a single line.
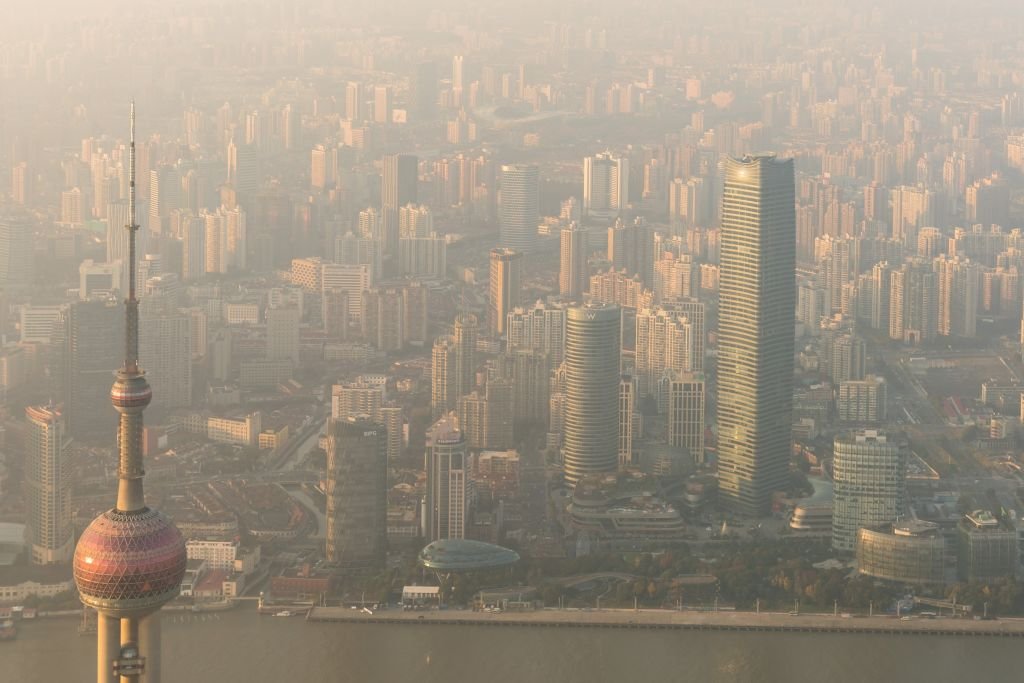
{"points": [[130, 392], [129, 563]]}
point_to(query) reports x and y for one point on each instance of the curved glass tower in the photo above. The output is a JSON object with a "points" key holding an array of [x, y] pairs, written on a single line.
{"points": [[592, 390], [757, 293]]}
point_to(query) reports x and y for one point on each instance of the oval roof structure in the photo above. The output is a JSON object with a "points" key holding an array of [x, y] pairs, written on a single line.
{"points": [[454, 554]]}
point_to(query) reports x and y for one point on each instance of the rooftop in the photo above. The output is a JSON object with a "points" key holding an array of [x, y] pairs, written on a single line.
{"points": [[462, 555]]}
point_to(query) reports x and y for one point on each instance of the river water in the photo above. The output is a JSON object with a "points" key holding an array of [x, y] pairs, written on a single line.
{"points": [[239, 646]]}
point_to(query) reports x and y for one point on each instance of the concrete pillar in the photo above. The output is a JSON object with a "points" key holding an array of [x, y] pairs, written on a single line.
{"points": [[129, 634], [149, 646], [108, 646]]}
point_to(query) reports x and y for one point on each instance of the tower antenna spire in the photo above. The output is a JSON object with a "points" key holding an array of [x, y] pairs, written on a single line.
{"points": [[131, 346]]}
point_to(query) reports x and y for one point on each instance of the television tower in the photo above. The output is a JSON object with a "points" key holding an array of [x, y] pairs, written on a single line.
{"points": [[130, 560]]}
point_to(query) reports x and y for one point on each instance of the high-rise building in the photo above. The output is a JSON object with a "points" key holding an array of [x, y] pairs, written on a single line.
{"points": [[913, 303], [383, 322], [506, 275], [862, 401], [16, 252], [572, 264], [520, 206], [592, 389], [243, 168], [165, 346], [464, 334], [869, 476], [443, 389], [912, 208], [959, 290], [357, 490], [448, 485], [756, 331], [605, 185], [399, 185], [95, 330], [50, 532], [693, 310], [283, 333], [686, 413], [382, 104], [664, 341], [627, 420], [130, 560], [632, 248], [541, 327], [354, 104]]}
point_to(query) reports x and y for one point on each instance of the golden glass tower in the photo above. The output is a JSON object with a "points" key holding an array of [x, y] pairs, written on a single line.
{"points": [[756, 331]]}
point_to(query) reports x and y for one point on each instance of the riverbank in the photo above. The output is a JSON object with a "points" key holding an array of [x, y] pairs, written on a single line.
{"points": [[685, 620]]}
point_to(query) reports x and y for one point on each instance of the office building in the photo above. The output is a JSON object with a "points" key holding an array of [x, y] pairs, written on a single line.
{"points": [[869, 477], [910, 552], [357, 489], [591, 387], [756, 331], [506, 273], [987, 548], [443, 388], [283, 334], [605, 185], [16, 252], [862, 401], [49, 530], [95, 330], [165, 348], [572, 264], [627, 419], [686, 413], [383, 321], [520, 207], [448, 484]]}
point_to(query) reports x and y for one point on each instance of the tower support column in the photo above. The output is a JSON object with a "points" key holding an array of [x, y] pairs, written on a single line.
{"points": [[108, 647], [149, 646]]}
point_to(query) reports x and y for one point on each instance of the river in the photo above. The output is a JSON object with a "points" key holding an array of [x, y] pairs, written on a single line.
{"points": [[239, 646]]}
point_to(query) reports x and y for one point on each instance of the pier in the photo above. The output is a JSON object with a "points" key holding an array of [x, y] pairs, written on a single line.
{"points": [[681, 620]]}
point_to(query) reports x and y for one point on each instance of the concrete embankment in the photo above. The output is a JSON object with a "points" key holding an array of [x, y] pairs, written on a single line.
{"points": [[686, 620]]}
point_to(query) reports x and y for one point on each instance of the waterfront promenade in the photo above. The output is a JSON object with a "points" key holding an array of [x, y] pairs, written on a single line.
{"points": [[683, 620]]}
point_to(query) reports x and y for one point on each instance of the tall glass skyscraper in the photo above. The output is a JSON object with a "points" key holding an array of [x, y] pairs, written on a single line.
{"points": [[592, 390], [520, 206], [756, 338]]}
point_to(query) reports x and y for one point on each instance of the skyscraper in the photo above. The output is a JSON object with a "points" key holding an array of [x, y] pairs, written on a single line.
{"points": [[464, 334], [130, 560], [398, 187], [443, 390], [869, 473], [520, 206], [165, 346], [357, 489], [756, 331], [505, 287], [592, 390], [605, 185], [94, 330], [49, 529], [283, 333], [16, 257], [447, 481], [686, 413], [572, 264]]}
